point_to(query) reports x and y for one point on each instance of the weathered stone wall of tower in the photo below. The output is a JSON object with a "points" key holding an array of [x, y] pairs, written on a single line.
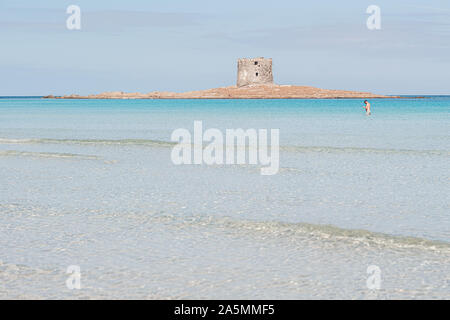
{"points": [[254, 72]]}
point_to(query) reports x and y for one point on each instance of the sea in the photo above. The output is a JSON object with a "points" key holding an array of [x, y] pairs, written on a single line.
{"points": [[93, 207]]}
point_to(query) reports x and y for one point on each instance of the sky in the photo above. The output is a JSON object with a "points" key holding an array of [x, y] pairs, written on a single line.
{"points": [[181, 45]]}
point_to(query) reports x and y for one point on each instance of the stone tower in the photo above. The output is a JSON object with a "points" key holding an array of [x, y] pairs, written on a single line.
{"points": [[254, 72]]}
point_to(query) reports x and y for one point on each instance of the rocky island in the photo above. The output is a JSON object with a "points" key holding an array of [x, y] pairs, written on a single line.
{"points": [[254, 81]]}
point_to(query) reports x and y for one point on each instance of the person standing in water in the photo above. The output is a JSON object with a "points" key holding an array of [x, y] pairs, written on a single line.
{"points": [[367, 107]]}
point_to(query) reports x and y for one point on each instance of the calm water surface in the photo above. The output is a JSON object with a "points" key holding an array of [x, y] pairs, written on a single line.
{"points": [[91, 183]]}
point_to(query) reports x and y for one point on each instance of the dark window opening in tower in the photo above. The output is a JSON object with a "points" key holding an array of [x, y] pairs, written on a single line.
{"points": [[257, 74]]}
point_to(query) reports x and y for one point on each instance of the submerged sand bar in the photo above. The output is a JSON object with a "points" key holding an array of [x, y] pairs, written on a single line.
{"points": [[234, 92]]}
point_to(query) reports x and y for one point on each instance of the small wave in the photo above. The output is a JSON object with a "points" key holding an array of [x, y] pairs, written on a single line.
{"points": [[286, 148], [322, 232], [14, 153], [140, 142]]}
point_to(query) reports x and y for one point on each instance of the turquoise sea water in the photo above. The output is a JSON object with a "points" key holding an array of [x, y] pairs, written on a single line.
{"points": [[91, 183]]}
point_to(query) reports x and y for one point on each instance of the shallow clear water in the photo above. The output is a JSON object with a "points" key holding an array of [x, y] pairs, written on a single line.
{"points": [[91, 183]]}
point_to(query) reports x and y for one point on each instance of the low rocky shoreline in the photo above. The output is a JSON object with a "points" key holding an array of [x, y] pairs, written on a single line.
{"points": [[234, 92]]}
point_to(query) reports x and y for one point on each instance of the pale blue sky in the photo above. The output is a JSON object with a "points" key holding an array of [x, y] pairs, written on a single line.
{"points": [[181, 45]]}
